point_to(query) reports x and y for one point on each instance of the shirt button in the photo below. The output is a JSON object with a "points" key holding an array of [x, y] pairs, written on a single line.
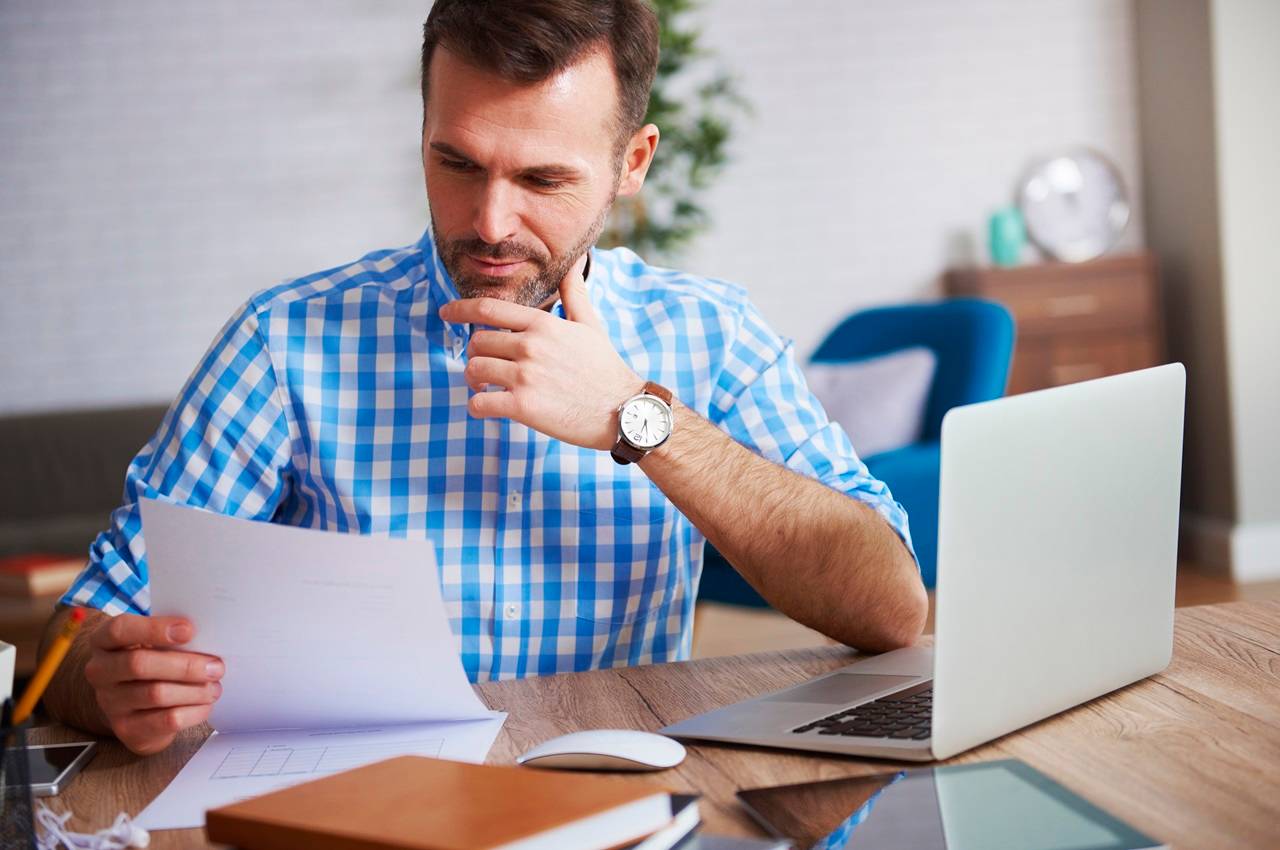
{"points": [[512, 611], [513, 500]]}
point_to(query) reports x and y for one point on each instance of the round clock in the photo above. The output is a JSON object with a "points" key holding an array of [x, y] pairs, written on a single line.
{"points": [[1074, 204]]}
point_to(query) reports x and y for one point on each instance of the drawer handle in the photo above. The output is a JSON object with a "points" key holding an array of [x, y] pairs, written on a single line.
{"points": [[1076, 372], [1074, 305]]}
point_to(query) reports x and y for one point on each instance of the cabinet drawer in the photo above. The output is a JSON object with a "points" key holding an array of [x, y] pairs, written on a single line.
{"points": [[1044, 363], [1116, 293], [1085, 306]]}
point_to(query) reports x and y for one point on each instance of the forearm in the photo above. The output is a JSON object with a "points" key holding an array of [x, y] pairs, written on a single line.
{"points": [[817, 555], [70, 698]]}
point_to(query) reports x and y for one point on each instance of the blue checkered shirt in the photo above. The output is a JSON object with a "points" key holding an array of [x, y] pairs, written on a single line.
{"points": [[337, 401]]}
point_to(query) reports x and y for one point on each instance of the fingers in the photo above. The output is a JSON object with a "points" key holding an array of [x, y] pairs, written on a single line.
{"points": [[482, 371], [147, 732], [493, 405], [508, 346], [134, 630], [144, 696], [106, 669], [491, 312], [577, 302]]}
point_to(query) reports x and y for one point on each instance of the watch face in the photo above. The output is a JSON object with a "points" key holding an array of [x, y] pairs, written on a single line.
{"points": [[645, 422]]}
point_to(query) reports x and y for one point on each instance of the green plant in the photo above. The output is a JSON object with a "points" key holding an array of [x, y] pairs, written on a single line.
{"points": [[694, 104]]}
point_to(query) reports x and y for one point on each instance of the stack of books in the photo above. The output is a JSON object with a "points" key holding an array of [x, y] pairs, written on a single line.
{"points": [[416, 803], [37, 575]]}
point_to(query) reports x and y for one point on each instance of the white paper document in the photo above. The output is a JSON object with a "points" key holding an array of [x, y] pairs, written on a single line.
{"points": [[233, 766], [319, 631]]}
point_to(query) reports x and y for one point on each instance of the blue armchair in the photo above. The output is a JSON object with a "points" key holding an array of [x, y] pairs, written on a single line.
{"points": [[973, 342]]}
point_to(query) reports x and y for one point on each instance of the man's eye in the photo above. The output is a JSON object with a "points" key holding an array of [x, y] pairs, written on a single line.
{"points": [[457, 164], [543, 182]]}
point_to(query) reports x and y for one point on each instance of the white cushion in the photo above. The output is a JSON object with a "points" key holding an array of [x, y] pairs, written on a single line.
{"points": [[880, 400]]}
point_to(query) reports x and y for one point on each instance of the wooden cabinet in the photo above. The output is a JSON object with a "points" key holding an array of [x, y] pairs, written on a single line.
{"points": [[1075, 321]]}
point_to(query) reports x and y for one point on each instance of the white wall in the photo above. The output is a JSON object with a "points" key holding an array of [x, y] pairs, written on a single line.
{"points": [[1208, 77], [1247, 87], [160, 159], [886, 132], [1245, 36]]}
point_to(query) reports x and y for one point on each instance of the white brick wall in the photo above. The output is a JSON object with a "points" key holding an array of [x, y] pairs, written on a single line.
{"points": [[160, 159], [886, 132]]}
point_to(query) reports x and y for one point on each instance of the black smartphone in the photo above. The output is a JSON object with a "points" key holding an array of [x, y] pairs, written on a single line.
{"points": [[51, 766]]}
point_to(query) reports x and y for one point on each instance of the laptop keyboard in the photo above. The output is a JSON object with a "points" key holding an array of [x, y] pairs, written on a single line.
{"points": [[905, 715]]}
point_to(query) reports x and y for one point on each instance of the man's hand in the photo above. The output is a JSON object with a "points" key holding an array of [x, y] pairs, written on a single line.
{"points": [[148, 690], [561, 377]]}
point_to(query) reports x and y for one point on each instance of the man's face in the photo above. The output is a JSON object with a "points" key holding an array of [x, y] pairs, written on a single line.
{"points": [[519, 177]]}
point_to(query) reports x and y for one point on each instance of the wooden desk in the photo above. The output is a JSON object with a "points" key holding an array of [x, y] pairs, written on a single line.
{"points": [[1190, 756]]}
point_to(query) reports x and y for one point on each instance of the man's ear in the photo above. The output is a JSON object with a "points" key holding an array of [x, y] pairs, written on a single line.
{"points": [[637, 158]]}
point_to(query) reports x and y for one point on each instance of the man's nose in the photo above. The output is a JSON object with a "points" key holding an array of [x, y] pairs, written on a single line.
{"points": [[496, 215]]}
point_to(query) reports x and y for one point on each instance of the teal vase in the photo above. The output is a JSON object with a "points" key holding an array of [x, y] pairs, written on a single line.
{"points": [[1007, 235]]}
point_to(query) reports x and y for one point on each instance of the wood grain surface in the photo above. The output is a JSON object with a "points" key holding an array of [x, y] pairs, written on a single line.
{"points": [[1190, 756]]}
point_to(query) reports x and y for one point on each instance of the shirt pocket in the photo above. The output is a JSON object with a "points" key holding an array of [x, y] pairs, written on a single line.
{"points": [[625, 547]]}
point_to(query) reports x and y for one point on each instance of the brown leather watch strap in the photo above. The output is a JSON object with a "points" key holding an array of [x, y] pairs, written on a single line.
{"points": [[624, 453], [659, 390]]}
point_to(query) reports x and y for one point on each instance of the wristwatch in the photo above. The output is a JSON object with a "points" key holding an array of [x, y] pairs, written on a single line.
{"points": [[645, 421]]}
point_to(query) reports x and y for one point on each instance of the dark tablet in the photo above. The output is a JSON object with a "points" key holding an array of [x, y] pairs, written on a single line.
{"points": [[987, 806]]}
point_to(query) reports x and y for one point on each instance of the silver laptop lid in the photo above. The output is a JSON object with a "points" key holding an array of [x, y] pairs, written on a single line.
{"points": [[1057, 550]]}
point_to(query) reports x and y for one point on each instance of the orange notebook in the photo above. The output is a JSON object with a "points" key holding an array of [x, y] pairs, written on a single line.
{"points": [[416, 803]]}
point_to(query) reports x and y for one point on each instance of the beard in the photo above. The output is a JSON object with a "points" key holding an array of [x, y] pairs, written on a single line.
{"points": [[537, 286]]}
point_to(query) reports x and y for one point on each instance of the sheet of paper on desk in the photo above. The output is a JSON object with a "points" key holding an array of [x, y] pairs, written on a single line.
{"points": [[232, 766], [338, 642], [318, 630]]}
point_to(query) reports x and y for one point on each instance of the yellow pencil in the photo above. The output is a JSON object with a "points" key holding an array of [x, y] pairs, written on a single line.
{"points": [[44, 673]]}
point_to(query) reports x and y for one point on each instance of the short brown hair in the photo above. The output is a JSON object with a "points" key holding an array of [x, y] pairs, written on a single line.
{"points": [[527, 41]]}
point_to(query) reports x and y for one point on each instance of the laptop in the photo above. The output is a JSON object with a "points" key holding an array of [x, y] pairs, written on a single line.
{"points": [[1057, 551]]}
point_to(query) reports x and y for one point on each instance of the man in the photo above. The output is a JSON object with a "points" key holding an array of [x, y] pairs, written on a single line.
{"points": [[468, 389]]}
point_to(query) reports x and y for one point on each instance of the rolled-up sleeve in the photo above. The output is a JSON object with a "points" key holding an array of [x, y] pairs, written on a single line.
{"points": [[223, 445], [762, 401]]}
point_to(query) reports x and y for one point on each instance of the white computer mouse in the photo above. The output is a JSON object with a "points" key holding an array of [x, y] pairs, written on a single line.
{"points": [[606, 749]]}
